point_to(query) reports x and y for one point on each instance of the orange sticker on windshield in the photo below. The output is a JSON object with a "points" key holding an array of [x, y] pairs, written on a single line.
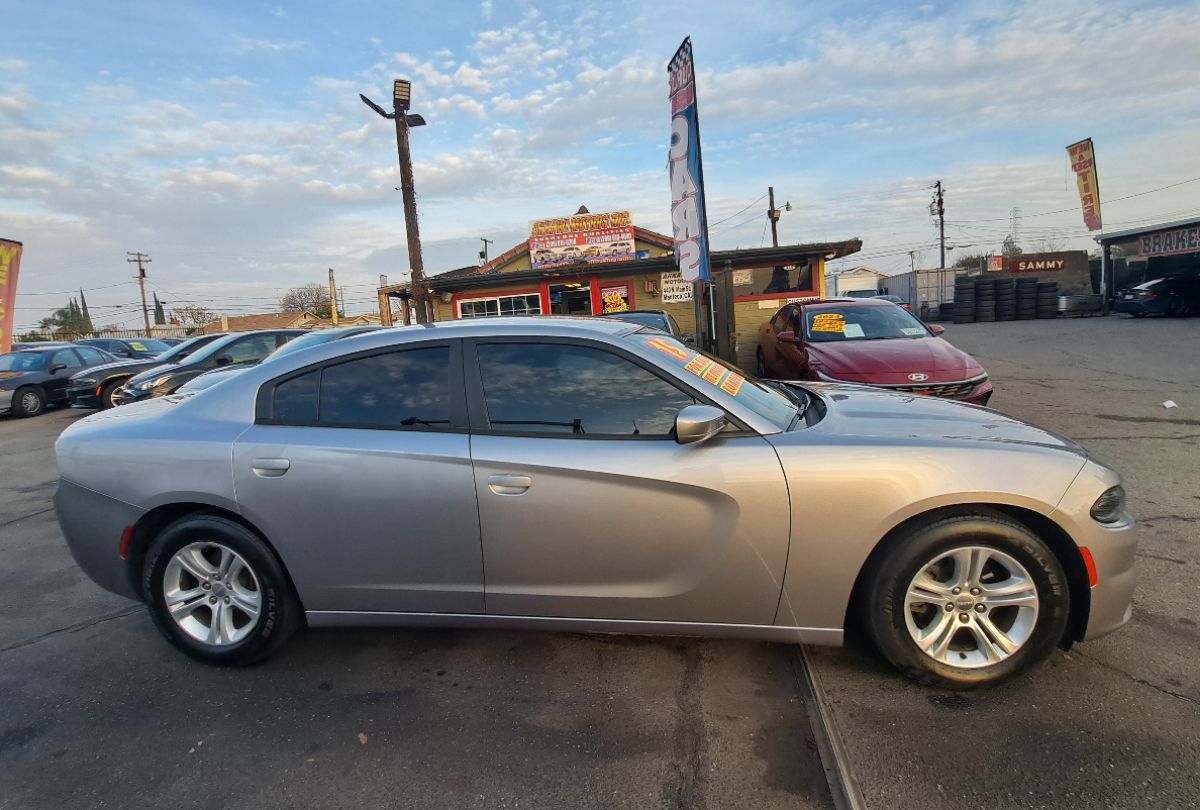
{"points": [[678, 352], [697, 365], [733, 384], [829, 322], [713, 374]]}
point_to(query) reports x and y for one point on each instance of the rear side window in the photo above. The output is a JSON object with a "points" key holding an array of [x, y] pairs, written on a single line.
{"points": [[407, 389]]}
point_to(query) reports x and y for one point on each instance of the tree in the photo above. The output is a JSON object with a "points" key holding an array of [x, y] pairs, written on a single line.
{"points": [[1049, 244], [193, 315], [68, 320], [971, 261], [1010, 247], [312, 297]]}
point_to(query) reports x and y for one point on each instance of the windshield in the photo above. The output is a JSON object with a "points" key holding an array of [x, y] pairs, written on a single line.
{"points": [[147, 346], [174, 353], [829, 324], [715, 374], [652, 319], [23, 361], [304, 341]]}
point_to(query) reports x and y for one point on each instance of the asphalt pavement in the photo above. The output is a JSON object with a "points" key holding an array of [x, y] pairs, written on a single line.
{"points": [[1115, 722], [96, 710]]}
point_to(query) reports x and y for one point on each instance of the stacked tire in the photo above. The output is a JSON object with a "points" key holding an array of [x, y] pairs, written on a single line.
{"points": [[964, 300], [985, 300], [1047, 299], [945, 312], [1006, 300], [1027, 289]]}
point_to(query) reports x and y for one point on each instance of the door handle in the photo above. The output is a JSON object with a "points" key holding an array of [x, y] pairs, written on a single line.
{"points": [[509, 484], [270, 467]]}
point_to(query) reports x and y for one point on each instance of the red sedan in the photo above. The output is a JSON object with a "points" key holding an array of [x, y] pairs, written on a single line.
{"points": [[869, 342]]}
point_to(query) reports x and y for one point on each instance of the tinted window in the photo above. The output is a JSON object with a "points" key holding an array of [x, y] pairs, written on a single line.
{"points": [[250, 349], [66, 357], [91, 356], [401, 389], [23, 361], [574, 390], [296, 400]]}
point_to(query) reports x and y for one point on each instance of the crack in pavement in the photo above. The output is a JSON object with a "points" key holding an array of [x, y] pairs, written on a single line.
{"points": [[1135, 678], [75, 628], [25, 517]]}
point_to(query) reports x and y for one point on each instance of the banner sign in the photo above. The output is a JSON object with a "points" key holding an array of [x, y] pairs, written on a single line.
{"points": [[10, 263], [1083, 163], [689, 223], [1030, 265], [1166, 243], [675, 290], [614, 299], [995, 264], [581, 239]]}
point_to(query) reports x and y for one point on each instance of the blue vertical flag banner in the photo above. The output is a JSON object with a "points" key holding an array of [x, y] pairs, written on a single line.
{"points": [[689, 223]]}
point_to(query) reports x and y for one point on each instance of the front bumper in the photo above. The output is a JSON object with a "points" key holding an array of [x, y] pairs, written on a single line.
{"points": [[84, 397], [92, 525], [975, 391]]}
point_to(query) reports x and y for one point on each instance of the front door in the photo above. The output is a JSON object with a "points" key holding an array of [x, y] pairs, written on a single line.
{"points": [[358, 471], [589, 508]]}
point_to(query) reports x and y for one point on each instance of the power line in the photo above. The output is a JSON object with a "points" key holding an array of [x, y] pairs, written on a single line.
{"points": [[1102, 202], [714, 225]]}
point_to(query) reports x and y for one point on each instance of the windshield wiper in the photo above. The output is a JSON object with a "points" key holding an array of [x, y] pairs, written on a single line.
{"points": [[799, 398]]}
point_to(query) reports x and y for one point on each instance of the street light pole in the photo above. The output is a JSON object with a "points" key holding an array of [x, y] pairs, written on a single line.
{"points": [[401, 95]]}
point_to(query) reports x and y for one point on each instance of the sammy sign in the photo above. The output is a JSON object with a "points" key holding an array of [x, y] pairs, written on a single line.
{"points": [[688, 222]]}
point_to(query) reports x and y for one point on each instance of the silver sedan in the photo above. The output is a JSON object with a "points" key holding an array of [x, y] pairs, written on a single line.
{"points": [[591, 474]]}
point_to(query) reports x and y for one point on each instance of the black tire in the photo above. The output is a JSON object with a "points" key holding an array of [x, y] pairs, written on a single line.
{"points": [[280, 613], [1178, 308], [28, 401], [106, 394], [883, 601]]}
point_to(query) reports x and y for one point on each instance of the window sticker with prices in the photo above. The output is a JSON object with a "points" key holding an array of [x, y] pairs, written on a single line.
{"points": [[708, 370]]}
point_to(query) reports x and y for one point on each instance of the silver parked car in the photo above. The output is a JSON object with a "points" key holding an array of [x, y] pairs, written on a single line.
{"points": [[590, 474]]}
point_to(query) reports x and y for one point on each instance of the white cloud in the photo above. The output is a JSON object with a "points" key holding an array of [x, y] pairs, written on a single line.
{"points": [[230, 82], [485, 9], [14, 65], [246, 45], [471, 78]]}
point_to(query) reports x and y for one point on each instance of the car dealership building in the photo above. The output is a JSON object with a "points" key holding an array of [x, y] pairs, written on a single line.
{"points": [[594, 264]]}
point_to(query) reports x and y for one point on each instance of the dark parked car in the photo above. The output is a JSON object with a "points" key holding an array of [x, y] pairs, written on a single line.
{"points": [[868, 342], [210, 378], [240, 347], [38, 344], [895, 299], [1177, 296], [173, 341], [655, 318], [31, 379], [139, 349], [100, 386]]}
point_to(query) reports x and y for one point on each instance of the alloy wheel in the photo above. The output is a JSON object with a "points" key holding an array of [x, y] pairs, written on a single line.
{"points": [[212, 593], [971, 607], [31, 403]]}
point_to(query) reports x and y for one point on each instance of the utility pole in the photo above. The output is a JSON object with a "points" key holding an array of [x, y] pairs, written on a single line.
{"points": [[773, 214], [140, 259], [401, 96], [333, 299], [483, 254], [939, 210]]}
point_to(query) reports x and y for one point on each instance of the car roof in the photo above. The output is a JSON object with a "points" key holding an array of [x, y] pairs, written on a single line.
{"points": [[842, 302], [41, 349]]}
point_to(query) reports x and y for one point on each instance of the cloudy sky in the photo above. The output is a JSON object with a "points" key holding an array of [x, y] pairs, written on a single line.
{"points": [[226, 139]]}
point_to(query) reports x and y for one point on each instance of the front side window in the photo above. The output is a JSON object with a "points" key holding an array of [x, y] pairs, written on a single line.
{"points": [[251, 349], [403, 389], [568, 390], [66, 357], [503, 305]]}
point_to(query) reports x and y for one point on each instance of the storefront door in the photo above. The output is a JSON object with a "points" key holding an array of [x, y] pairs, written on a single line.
{"points": [[570, 299]]}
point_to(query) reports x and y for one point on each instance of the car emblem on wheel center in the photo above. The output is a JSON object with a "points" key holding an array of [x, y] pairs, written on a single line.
{"points": [[918, 377]]}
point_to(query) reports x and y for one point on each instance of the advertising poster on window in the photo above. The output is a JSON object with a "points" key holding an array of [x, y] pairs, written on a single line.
{"points": [[1083, 163], [582, 239], [689, 223], [10, 263], [614, 298]]}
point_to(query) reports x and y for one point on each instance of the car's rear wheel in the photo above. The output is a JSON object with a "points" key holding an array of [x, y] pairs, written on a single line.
{"points": [[965, 601], [28, 401], [217, 592]]}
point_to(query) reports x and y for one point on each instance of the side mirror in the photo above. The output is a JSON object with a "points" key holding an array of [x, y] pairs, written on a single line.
{"points": [[787, 336], [696, 423], [937, 329], [688, 338], [57, 367]]}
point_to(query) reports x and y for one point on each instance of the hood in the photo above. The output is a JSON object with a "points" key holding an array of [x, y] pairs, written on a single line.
{"points": [[860, 412], [120, 365], [151, 372], [889, 362]]}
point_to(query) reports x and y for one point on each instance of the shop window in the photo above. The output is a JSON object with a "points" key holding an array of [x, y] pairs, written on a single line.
{"points": [[782, 280], [565, 390], [501, 305], [403, 389]]}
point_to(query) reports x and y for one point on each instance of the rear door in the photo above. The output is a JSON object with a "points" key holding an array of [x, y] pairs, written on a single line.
{"points": [[589, 508], [359, 471]]}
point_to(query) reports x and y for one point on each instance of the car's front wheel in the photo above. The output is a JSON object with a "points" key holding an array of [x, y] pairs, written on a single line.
{"points": [[966, 600], [28, 401], [217, 592], [109, 393]]}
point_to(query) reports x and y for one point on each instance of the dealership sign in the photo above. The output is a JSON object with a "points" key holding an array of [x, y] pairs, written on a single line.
{"points": [[688, 221], [1083, 163], [581, 239], [10, 263], [1166, 243], [675, 290], [1019, 265]]}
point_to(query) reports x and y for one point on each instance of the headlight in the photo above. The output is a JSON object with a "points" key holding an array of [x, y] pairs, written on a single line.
{"points": [[83, 382], [1109, 507], [155, 383]]}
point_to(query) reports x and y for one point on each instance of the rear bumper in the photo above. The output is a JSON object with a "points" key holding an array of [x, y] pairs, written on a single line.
{"points": [[92, 525], [1138, 307]]}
